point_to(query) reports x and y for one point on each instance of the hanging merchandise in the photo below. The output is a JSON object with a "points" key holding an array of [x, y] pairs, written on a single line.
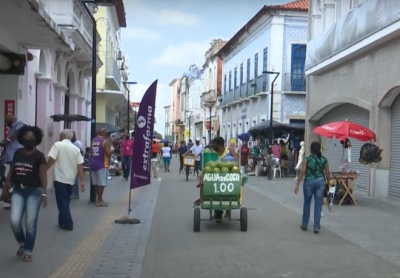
{"points": [[346, 143], [370, 153]]}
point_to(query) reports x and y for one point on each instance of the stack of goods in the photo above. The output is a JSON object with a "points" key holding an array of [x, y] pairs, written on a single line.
{"points": [[370, 153], [221, 167]]}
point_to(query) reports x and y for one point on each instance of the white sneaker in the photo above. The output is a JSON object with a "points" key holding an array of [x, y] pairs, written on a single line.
{"points": [[110, 178]]}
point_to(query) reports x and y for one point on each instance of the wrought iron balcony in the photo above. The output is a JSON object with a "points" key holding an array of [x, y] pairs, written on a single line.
{"points": [[246, 90], [227, 97], [113, 73], [294, 82], [208, 98]]}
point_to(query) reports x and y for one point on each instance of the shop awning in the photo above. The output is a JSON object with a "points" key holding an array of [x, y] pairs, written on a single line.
{"points": [[26, 22], [278, 128]]}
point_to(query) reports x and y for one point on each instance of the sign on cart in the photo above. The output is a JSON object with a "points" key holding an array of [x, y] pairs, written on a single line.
{"points": [[9, 109], [221, 184]]}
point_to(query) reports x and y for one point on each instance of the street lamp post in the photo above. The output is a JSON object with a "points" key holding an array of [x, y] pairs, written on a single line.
{"points": [[93, 132], [129, 100], [271, 113], [271, 105]]}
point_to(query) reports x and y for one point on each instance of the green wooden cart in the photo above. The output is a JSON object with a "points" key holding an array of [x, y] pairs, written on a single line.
{"points": [[221, 192]]}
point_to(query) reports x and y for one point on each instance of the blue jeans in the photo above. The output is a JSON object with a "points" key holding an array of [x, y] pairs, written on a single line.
{"points": [[126, 165], [75, 189], [63, 198], [25, 201], [312, 188]]}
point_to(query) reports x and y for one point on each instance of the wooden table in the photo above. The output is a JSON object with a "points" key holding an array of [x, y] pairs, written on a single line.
{"points": [[347, 181]]}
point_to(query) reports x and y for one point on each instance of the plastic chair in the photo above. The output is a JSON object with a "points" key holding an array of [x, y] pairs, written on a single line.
{"points": [[276, 166]]}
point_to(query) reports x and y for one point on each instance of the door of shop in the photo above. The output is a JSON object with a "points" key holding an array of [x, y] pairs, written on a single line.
{"points": [[332, 149], [394, 175]]}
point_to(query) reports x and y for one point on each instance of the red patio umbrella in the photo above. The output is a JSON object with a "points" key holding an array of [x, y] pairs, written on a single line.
{"points": [[345, 129]]}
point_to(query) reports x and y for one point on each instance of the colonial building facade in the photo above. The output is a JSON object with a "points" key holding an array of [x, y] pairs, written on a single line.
{"points": [[273, 40], [212, 89], [353, 74], [46, 65], [112, 96]]}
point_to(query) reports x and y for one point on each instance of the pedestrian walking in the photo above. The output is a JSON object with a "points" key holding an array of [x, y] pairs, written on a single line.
{"points": [[182, 150], [126, 153], [99, 163], [11, 142], [75, 189], [166, 155], [196, 150], [27, 183], [314, 171], [68, 163]]}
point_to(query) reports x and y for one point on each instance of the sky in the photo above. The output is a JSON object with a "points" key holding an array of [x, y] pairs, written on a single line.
{"points": [[163, 38]]}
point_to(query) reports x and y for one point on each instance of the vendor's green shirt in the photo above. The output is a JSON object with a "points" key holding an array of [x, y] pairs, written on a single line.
{"points": [[315, 167]]}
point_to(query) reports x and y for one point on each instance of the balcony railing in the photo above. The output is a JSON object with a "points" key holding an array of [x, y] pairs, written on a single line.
{"points": [[113, 72], [246, 90], [294, 82]]}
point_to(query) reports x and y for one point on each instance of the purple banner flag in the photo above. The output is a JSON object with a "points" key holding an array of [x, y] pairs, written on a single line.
{"points": [[144, 127]]}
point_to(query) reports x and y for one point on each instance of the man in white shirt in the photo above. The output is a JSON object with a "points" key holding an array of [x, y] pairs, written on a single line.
{"points": [[68, 162], [197, 150]]}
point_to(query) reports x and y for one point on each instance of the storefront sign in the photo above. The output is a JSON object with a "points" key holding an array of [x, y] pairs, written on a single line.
{"points": [[208, 125], [9, 109], [187, 133]]}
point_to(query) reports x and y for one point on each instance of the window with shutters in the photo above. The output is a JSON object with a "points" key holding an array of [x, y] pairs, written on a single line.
{"points": [[255, 66], [225, 83], [230, 80], [265, 66]]}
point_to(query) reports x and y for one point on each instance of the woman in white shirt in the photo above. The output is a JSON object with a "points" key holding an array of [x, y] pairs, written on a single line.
{"points": [[166, 154]]}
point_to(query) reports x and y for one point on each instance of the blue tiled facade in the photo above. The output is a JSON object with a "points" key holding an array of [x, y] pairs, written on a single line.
{"points": [[295, 32]]}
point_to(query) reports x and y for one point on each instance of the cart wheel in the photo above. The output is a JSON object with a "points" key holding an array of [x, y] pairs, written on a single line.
{"points": [[243, 219], [196, 220]]}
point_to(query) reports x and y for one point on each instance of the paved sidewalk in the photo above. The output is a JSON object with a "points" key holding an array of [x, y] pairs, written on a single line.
{"points": [[373, 225], [164, 245], [274, 245], [55, 246]]}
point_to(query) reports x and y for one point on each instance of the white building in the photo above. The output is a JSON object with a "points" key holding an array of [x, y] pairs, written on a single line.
{"points": [[196, 119], [46, 65], [273, 40], [212, 84], [353, 73]]}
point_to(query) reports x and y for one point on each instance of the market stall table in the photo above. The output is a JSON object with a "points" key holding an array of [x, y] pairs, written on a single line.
{"points": [[347, 181]]}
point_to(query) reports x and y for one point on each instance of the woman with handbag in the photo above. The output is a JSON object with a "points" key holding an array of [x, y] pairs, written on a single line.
{"points": [[314, 170], [26, 189]]}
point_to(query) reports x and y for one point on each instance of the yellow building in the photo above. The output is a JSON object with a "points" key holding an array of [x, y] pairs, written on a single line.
{"points": [[112, 97]]}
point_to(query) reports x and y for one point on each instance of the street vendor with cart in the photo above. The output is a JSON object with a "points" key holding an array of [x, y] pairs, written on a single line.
{"points": [[218, 145]]}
